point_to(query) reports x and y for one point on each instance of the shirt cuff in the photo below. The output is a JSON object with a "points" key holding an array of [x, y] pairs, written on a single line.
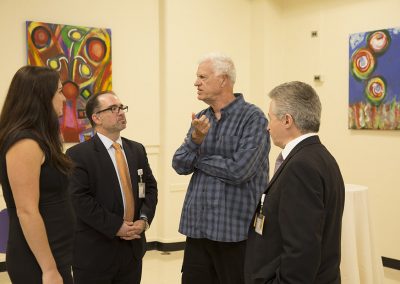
{"points": [[191, 145]]}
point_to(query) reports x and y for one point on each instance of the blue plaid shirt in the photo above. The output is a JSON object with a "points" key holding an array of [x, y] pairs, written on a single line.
{"points": [[230, 172]]}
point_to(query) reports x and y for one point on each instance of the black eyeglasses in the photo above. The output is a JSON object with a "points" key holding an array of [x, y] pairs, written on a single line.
{"points": [[114, 109]]}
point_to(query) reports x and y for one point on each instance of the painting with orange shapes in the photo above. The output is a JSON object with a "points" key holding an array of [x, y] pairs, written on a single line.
{"points": [[82, 56], [374, 85]]}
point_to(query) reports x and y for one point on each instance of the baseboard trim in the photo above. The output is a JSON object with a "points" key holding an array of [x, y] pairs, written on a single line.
{"points": [[387, 262], [149, 246], [165, 246], [391, 263]]}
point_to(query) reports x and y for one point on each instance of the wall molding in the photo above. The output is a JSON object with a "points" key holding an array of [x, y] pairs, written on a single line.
{"points": [[152, 149], [165, 246], [387, 262], [178, 187], [391, 263]]}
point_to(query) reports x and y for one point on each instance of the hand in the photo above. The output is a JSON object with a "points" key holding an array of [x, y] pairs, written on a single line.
{"points": [[139, 226], [125, 230], [131, 230], [201, 126], [52, 277]]}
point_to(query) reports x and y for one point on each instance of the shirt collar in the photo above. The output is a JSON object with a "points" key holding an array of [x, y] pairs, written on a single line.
{"points": [[108, 142], [234, 105], [289, 146]]}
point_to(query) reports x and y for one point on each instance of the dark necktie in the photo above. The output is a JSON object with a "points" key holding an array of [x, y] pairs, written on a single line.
{"points": [[125, 183], [279, 161]]}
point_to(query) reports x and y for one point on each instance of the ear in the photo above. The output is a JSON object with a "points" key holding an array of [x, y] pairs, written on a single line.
{"points": [[96, 118], [223, 82], [288, 120]]}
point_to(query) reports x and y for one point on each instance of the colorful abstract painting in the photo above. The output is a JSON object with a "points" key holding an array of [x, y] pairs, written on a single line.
{"points": [[82, 55], [374, 80]]}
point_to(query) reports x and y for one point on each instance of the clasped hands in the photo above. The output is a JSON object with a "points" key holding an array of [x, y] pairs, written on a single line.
{"points": [[131, 230], [200, 128]]}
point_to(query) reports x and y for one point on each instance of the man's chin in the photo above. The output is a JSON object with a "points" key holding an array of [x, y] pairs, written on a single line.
{"points": [[122, 125], [200, 97]]}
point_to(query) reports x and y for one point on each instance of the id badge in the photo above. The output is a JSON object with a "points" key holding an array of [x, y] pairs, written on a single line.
{"points": [[259, 223], [142, 189]]}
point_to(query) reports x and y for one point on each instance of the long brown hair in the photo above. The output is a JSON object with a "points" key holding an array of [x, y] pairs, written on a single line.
{"points": [[28, 106]]}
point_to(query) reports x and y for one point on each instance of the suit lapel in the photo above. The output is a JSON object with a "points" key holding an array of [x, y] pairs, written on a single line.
{"points": [[308, 141], [108, 167]]}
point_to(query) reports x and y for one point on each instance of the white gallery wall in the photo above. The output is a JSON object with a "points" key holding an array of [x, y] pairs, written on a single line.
{"points": [[188, 30], [155, 48], [366, 157], [135, 54]]}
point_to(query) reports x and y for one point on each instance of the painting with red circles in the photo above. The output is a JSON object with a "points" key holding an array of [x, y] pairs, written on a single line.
{"points": [[82, 56], [374, 82]]}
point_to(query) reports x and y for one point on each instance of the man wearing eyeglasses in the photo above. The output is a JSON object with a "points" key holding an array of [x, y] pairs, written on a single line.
{"points": [[114, 194]]}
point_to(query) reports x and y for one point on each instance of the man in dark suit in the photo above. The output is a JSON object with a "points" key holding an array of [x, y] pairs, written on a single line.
{"points": [[110, 243], [297, 225]]}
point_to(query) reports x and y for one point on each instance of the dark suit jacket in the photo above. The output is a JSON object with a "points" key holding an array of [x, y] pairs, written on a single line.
{"points": [[98, 204], [303, 211]]}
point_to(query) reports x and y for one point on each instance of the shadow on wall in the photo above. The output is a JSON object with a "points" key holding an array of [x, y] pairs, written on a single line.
{"points": [[3, 230]]}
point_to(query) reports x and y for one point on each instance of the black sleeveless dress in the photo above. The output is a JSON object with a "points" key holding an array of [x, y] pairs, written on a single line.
{"points": [[57, 213]]}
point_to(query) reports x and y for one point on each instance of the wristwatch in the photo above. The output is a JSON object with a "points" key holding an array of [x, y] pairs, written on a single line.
{"points": [[147, 226]]}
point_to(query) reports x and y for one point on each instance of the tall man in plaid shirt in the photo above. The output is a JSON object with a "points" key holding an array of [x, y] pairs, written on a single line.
{"points": [[226, 149]]}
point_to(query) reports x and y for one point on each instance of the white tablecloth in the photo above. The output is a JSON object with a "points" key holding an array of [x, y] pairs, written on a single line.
{"points": [[361, 262]]}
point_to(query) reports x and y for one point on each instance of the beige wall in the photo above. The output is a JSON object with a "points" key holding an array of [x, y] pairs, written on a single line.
{"points": [[156, 45], [188, 30], [135, 53], [369, 158]]}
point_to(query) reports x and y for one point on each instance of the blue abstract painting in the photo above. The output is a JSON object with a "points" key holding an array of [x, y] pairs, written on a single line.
{"points": [[374, 80]]}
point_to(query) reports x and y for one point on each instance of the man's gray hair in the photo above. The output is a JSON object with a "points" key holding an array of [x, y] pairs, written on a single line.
{"points": [[299, 100], [222, 65]]}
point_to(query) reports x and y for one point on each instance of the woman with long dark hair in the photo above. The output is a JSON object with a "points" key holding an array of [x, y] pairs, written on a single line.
{"points": [[34, 178]]}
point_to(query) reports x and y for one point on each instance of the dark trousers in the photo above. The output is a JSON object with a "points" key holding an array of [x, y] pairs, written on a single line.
{"points": [[125, 270], [211, 262], [33, 275]]}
